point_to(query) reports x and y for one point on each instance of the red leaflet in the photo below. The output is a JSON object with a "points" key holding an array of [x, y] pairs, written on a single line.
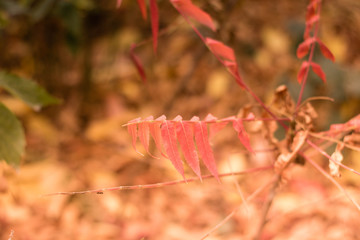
{"points": [[143, 132], [154, 22], [313, 5], [142, 6], [156, 132], [118, 3], [242, 135], [302, 71], [354, 123], [185, 136], [341, 127], [169, 138], [214, 125], [137, 63], [187, 8], [307, 31], [311, 10], [318, 71], [202, 142], [232, 67], [220, 49], [325, 51], [313, 19], [132, 129], [226, 56], [304, 47], [337, 127]]}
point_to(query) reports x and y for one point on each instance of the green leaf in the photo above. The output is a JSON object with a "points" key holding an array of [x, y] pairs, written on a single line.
{"points": [[27, 90], [12, 140]]}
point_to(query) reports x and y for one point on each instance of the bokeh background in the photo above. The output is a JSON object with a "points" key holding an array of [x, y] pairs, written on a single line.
{"points": [[79, 51]]}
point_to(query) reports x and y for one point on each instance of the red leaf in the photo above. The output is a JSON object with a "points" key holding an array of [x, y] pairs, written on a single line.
{"points": [[307, 31], [325, 51], [156, 133], [185, 136], [232, 67], [312, 6], [142, 6], [143, 132], [187, 8], [341, 127], [227, 58], [214, 126], [202, 142], [220, 49], [169, 138], [304, 47], [210, 118], [132, 129], [318, 71], [311, 10], [154, 22], [313, 19], [137, 62], [302, 71], [242, 135], [337, 127], [118, 3], [354, 122]]}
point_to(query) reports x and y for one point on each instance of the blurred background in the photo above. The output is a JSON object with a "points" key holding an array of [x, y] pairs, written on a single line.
{"points": [[79, 51]]}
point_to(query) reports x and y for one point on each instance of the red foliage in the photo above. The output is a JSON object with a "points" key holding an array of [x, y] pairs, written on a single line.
{"points": [[312, 19], [118, 3], [220, 50], [188, 9], [325, 51], [185, 136], [137, 63], [166, 133], [155, 132], [242, 135], [142, 7], [302, 71], [132, 129], [154, 11], [304, 47], [318, 71]]}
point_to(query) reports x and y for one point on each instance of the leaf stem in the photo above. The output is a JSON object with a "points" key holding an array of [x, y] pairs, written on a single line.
{"points": [[249, 198], [303, 82], [158, 185], [328, 176], [330, 158], [267, 205]]}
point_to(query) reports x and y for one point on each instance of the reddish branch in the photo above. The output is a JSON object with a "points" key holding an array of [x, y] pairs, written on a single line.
{"points": [[159, 185]]}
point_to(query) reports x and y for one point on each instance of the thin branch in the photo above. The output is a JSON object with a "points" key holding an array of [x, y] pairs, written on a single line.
{"points": [[267, 205], [330, 158], [228, 217], [303, 83], [335, 141], [158, 185], [238, 188], [278, 175], [314, 98], [242, 84], [328, 176]]}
